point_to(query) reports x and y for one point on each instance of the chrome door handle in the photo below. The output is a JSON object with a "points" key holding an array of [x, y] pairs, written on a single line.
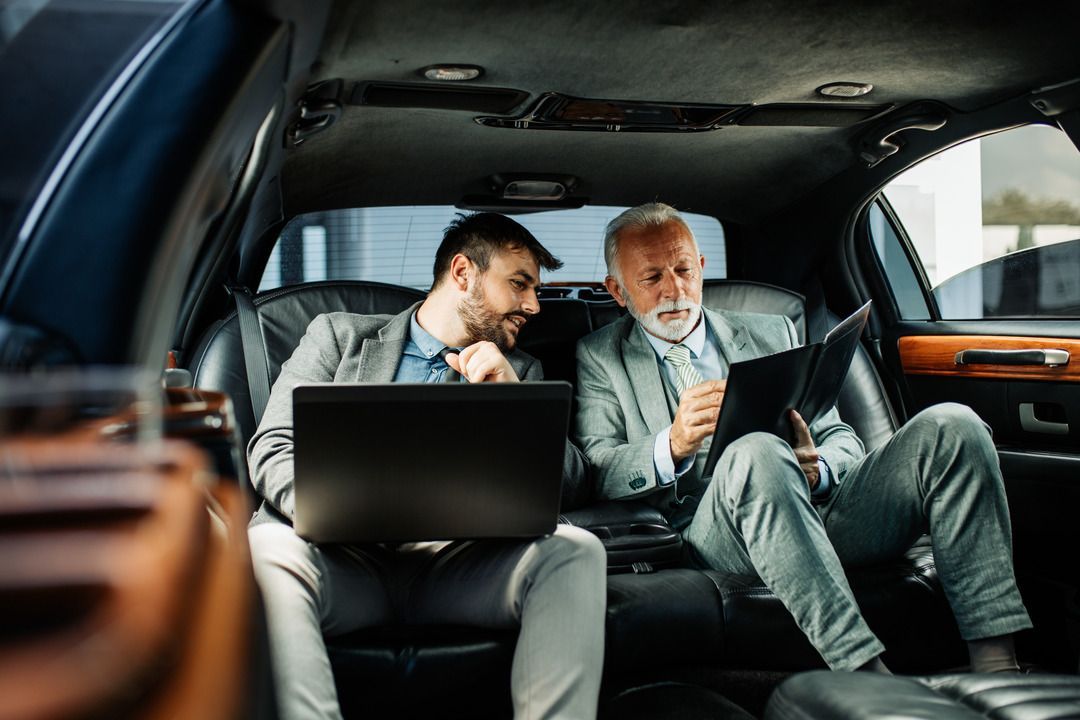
{"points": [[1032, 356], [1030, 423]]}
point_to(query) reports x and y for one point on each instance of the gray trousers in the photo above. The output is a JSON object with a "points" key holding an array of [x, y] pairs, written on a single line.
{"points": [[553, 588], [938, 473]]}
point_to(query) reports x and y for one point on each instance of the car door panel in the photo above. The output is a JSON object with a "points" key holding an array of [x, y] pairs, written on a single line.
{"points": [[1040, 463], [1029, 407]]}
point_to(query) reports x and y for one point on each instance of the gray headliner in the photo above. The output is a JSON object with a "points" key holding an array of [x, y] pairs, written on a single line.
{"points": [[965, 54]]}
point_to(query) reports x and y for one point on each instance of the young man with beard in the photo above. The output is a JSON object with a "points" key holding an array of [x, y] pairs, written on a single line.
{"points": [[650, 388], [486, 273]]}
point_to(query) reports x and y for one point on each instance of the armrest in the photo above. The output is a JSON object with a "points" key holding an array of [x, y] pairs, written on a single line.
{"points": [[636, 535], [614, 512]]}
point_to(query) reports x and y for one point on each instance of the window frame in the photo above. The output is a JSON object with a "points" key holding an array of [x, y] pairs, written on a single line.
{"points": [[912, 258], [907, 246]]}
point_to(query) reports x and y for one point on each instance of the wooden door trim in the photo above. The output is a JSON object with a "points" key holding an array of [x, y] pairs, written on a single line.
{"points": [[936, 355]]}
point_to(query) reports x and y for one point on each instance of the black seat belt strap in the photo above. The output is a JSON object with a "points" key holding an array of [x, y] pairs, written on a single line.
{"points": [[254, 344]]}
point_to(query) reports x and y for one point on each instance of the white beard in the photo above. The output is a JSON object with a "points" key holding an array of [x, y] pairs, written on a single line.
{"points": [[674, 330]]}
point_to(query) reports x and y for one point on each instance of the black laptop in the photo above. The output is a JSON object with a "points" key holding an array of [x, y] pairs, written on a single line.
{"points": [[399, 462]]}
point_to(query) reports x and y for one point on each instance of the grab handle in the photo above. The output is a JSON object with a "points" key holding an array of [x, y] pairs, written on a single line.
{"points": [[1030, 423], [1032, 356]]}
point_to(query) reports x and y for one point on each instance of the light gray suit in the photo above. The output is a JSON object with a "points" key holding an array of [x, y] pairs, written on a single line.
{"points": [[754, 515], [552, 587]]}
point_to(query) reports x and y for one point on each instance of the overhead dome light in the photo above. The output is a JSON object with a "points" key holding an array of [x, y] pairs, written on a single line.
{"points": [[845, 89], [452, 73]]}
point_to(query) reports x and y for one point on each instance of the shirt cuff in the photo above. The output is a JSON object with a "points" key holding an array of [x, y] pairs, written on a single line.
{"points": [[666, 472], [825, 485]]}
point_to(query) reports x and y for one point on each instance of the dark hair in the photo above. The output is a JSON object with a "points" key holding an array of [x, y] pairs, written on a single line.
{"points": [[479, 235]]}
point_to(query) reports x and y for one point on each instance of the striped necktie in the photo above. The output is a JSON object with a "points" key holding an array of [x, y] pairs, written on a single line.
{"points": [[686, 375]]}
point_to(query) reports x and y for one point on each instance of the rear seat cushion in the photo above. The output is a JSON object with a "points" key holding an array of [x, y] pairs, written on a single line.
{"points": [[866, 696], [551, 336]]}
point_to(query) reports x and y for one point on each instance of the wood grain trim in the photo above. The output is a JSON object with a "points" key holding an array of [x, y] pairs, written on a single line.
{"points": [[145, 570], [192, 413], [936, 355]]}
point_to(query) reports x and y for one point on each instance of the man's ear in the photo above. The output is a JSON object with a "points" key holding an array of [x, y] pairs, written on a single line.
{"points": [[616, 292], [461, 269]]}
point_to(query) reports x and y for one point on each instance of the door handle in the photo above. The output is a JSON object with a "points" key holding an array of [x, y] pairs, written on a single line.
{"points": [[1031, 356], [1030, 423]]}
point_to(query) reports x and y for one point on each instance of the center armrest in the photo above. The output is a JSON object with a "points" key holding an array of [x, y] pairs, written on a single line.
{"points": [[611, 513], [636, 535]]}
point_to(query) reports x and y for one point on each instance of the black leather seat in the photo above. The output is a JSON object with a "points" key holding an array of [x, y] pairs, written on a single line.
{"points": [[859, 696], [667, 617]]}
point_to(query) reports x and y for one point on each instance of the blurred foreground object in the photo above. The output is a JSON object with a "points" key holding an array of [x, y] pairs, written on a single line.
{"points": [[125, 583]]}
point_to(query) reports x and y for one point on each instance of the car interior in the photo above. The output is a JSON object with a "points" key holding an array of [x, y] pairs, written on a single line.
{"points": [[161, 174]]}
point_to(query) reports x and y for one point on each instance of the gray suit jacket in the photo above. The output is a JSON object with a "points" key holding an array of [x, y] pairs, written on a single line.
{"points": [[623, 404], [345, 348]]}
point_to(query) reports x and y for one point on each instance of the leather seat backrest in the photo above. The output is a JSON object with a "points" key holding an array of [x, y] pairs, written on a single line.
{"points": [[749, 296], [863, 403], [551, 336], [284, 314]]}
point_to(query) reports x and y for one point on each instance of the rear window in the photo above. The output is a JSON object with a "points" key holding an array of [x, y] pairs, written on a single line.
{"points": [[397, 244]]}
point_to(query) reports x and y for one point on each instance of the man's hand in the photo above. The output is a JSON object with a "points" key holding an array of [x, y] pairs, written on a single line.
{"points": [[699, 407], [482, 362], [805, 451]]}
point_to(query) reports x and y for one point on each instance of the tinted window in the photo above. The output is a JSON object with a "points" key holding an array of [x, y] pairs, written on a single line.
{"points": [[994, 223], [397, 244], [905, 283]]}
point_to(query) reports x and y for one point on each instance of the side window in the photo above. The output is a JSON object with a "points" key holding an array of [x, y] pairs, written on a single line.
{"points": [[994, 224], [397, 244], [898, 269]]}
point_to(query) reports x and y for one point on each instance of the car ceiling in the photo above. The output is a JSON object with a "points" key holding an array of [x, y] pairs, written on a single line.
{"points": [[968, 55]]}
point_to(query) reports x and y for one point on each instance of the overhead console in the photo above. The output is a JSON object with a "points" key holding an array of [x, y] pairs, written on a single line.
{"points": [[555, 111]]}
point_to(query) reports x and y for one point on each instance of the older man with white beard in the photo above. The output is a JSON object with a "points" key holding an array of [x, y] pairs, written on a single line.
{"points": [[649, 392]]}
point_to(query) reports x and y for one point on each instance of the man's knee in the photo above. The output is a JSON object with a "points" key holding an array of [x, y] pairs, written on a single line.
{"points": [[758, 464], [578, 546], [948, 425], [278, 552], [571, 552]]}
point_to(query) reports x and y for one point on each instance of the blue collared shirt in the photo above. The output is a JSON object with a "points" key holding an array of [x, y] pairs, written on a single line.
{"points": [[420, 361], [707, 359]]}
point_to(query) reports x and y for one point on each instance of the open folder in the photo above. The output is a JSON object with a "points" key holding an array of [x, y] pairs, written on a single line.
{"points": [[761, 391]]}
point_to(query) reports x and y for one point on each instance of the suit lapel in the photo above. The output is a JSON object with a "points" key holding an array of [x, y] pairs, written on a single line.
{"points": [[519, 361], [733, 338], [381, 355], [640, 362]]}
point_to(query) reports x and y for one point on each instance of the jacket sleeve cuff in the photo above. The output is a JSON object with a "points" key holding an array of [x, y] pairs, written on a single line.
{"points": [[825, 485], [666, 472]]}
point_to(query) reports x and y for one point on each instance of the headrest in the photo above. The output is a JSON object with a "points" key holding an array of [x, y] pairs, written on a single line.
{"points": [[749, 296]]}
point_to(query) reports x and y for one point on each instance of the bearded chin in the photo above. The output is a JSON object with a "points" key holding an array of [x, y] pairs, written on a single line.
{"points": [[673, 331], [483, 324]]}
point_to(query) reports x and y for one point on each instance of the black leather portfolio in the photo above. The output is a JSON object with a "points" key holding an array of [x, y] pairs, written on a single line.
{"points": [[761, 391]]}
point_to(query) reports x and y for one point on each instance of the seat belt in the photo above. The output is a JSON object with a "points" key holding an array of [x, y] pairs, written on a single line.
{"points": [[254, 346]]}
